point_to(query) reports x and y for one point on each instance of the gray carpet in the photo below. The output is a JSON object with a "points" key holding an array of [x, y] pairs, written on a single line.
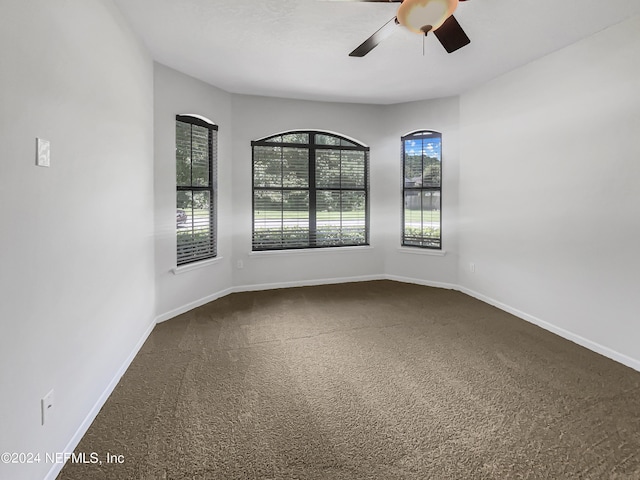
{"points": [[375, 380]]}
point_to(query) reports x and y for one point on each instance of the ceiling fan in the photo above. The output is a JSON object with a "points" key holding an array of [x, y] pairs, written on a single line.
{"points": [[419, 16]]}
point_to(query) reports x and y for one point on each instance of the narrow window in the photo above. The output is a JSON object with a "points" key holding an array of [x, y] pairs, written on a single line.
{"points": [[310, 190], [196, 151], [422, 168]]}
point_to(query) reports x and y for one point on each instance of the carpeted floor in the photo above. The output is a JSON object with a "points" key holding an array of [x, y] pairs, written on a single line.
{"points": [[375, 380]]}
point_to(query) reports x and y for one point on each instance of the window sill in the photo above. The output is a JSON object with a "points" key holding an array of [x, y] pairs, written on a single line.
{"points": [[195, 266], [310, 251], [422, 251]]}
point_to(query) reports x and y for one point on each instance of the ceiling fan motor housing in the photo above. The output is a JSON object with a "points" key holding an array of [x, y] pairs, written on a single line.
{"points": [[419, 15]]}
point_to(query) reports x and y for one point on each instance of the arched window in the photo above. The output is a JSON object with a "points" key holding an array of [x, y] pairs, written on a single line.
{"points": [[422, 173], [196, 163], [310, 190]]}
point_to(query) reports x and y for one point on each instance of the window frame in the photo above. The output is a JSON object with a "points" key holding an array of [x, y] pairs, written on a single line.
{"points": [[421, 135], [312, 147], [211, 188]]}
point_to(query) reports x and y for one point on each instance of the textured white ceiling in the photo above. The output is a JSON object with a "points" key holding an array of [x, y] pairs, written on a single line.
{"points": [[299, 48]]}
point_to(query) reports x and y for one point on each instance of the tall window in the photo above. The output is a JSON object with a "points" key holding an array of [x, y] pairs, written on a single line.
{"points": [[310, 190], [422, 168], [196, 150]]}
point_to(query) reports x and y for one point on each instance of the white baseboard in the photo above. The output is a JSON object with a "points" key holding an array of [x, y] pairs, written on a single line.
{"points": [[261, 286], [307, 283], [593, 346], [596, 347], [418, 281], [566, 334], [195, 304], [93, 413]]}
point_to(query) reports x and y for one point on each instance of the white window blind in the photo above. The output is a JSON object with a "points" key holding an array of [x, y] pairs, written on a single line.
{"points": [[422, 183], [196, 176], [310, 190]]}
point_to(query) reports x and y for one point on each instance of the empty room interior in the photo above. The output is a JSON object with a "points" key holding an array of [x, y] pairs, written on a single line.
{"points": [[233, 250]]}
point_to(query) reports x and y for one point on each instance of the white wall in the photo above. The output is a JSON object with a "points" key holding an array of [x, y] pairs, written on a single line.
{"points": [[257, 117], [549, 205], [176, 93], [540, 192], [380, 128], [245, 118], [76, 240], [420, 265]]}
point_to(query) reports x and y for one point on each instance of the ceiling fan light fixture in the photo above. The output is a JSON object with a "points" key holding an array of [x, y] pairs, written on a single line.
{"points": [[418, 14]]}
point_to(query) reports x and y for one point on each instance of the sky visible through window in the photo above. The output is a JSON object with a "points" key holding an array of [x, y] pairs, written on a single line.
{"points": [[431, 147], [422, 165]]}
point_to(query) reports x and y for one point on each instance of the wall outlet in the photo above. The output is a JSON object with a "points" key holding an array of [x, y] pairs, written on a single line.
{"points": [[472, 267], [240, 264], [47, 406]]}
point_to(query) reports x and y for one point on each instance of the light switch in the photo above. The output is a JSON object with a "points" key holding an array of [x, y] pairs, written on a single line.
{"points": [[42, 159]]}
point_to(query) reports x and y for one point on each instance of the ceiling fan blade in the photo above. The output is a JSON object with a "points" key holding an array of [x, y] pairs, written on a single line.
{"points": [[370, 43], [451, 35]]}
